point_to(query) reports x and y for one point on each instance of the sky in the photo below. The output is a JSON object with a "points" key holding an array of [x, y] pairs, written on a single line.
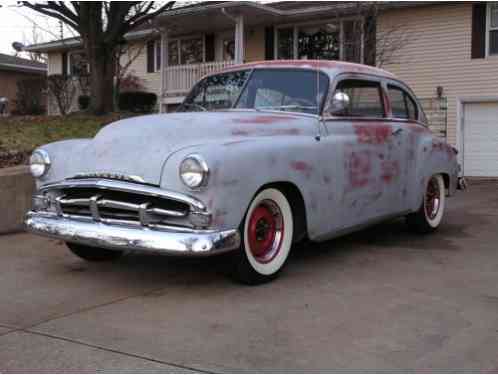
{"points": [[16, 25]]}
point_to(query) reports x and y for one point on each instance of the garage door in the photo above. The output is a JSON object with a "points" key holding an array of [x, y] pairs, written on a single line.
{"points": [[480, 149]]}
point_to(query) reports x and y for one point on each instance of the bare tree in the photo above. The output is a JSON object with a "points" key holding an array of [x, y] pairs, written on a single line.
{"points": [[35, 37], [63, 91], [101, 26]]}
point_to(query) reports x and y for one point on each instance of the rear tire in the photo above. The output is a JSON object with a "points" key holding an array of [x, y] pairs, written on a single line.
{"points": [[267, 232], [93, 254], [430, 214]]}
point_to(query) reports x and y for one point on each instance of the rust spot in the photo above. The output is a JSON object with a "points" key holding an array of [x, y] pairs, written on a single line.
{"points": [[326, 179], [303, 167], [360, 169], [292, 131], [374, 134], [389, 170], [381, 156], [264, 119]]}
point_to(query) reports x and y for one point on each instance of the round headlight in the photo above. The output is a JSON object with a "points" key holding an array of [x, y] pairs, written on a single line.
{"points": [[39, 163], [194, 171]]}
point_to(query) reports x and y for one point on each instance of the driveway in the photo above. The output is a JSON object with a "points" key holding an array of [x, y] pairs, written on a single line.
{"points": [[380, 299]]}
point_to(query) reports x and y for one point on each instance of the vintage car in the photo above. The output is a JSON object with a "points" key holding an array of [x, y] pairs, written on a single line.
{"points": [[258, 157]]}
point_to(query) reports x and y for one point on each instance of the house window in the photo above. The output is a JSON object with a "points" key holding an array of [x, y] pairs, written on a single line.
{"points": [[328, 41], [492, 32], [78, 64], [186, 51]]}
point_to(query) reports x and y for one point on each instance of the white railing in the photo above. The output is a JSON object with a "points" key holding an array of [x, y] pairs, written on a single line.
{"points": [[179, 79]]}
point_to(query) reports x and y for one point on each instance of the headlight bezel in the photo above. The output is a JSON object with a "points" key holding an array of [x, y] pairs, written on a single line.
{"points": [[44, 161], [202, 169]]}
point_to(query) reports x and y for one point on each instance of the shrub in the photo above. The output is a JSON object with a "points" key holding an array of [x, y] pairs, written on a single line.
{"points": [[84, 102], [137, 101], [63, 90], [29, 97]]}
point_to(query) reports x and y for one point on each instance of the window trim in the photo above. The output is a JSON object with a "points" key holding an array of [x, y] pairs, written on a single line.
{"points": [[405, 94], [356, 77], [295, 27], [68, 67], [179, 40], [489, 28]]}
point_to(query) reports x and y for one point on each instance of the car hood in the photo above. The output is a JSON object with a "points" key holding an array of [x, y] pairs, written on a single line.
{"points": [[139, 146]]}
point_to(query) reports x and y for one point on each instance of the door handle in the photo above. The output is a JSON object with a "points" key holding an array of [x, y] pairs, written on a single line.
{"points": [[397, 131]]}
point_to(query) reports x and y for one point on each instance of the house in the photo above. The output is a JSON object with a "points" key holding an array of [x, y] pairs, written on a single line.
{"points": [[447, 52], [14, 70]]}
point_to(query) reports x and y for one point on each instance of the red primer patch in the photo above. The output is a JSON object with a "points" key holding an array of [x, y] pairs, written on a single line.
{"points": [[263, 119], [303, 167], [360, 169], [374, 134], [389, 171]]}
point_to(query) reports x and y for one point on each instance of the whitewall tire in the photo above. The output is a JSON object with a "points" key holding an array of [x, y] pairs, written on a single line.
{"points": [[429, 216], [267, 232]]}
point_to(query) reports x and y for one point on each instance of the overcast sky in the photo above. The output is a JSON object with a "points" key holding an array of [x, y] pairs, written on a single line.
{"points": [[16, 25]]}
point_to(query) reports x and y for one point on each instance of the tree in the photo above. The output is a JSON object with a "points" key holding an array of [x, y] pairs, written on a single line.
{"points": [[102, 27], [63, 91]]}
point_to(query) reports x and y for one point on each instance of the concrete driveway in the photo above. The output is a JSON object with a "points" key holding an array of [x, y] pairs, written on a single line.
{"points": [[381, 299]]}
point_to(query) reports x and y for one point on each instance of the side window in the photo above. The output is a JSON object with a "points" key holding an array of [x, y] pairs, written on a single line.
{"points": [[402, 104], [365, 98]]}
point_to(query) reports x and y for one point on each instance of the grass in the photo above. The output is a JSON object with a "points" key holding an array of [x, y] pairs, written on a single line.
{"points": [[21, 135]]}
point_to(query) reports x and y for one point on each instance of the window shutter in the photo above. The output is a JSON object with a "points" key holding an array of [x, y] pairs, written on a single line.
{"points": [[478, 31], [64, 64], [150, 56], [370, 40], [269, 43], [209, 45]]}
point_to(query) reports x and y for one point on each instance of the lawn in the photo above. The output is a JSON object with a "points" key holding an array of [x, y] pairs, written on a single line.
{"points": [[19, 136]]}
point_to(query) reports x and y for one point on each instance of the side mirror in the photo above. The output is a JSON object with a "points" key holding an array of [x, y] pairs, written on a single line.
{"points": [[339, 103]]}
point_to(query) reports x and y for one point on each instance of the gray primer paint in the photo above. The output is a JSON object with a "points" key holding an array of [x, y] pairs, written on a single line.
{"points": [[354, 172]]}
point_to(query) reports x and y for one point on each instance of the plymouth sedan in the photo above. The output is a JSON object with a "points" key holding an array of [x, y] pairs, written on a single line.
{"points": [[258, 157]]}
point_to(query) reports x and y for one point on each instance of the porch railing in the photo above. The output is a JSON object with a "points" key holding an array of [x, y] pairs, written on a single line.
{"points": [[179, 79]]}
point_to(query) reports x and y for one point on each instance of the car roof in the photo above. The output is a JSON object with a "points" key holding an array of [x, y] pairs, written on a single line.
{"points": [[331, 67]]}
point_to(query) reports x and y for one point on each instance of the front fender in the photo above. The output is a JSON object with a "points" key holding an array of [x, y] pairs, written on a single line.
{"points": [[66, 159], [238, 169]]}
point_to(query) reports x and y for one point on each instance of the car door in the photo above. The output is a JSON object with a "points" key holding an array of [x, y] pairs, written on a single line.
{"points": [[408, 116], [370, 150]]}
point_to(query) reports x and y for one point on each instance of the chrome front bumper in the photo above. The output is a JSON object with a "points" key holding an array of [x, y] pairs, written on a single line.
{"points": [[172, 241]]}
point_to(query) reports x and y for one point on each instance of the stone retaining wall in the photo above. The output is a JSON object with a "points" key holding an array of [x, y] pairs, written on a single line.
{"points": [[16, 188]]}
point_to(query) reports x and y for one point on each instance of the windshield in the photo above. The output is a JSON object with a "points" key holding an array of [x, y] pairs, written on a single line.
{"points": [[292, 90]]}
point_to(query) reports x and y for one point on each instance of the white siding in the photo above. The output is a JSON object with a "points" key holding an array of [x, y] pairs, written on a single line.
{"points": [[138, 67], [54, 63], [438, 54]]}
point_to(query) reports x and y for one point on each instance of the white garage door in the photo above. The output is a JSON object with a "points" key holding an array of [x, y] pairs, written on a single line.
{"points": [[480, 149]]}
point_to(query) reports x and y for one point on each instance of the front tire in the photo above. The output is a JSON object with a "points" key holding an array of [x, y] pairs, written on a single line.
{"points": [[93, 254], [267, 233], [430, 214]]}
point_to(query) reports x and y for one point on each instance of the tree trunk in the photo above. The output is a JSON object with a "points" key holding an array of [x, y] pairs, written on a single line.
{"points": [[102, 71]]}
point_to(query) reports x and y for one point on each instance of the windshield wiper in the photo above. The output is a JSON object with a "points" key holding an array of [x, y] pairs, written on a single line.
{"points": [[289, 107]]}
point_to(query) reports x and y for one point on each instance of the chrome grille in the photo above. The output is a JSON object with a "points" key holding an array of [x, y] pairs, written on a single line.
{"points": [[124, 203]]}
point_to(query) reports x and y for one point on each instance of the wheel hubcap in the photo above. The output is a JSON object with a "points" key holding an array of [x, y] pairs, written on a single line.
{"points": [[265, 231], [432, 199]]}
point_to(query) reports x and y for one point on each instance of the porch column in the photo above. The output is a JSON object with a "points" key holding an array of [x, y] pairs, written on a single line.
{"points": [[239, 39], [164, 64]]}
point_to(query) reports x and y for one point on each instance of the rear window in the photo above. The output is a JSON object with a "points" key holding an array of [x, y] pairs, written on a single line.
{"points": [[365, 98], [402, 104]]}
